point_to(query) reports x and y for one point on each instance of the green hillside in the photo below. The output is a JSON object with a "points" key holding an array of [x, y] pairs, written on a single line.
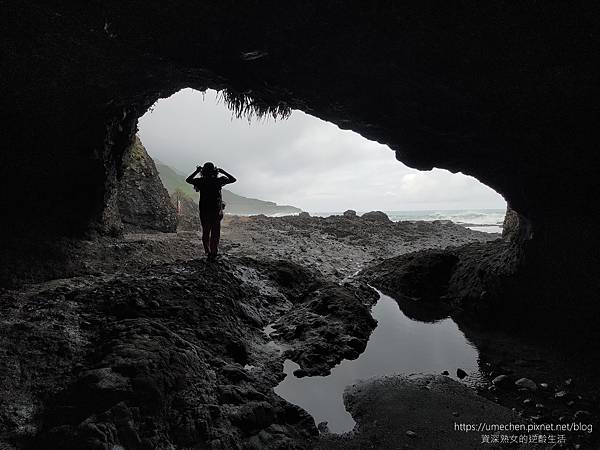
{"points": [[173, 180], [236, 204]]}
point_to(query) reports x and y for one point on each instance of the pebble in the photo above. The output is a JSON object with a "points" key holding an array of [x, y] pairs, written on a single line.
{"points": [[526, 383], [323, 427], [582, 415], [501, 381], [461, 373]]}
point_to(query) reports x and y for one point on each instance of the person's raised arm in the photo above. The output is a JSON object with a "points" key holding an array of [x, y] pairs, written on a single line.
{"points": [[229, 178], [190, 179]]}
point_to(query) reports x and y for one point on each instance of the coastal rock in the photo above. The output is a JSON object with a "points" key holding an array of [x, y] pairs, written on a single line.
{"points": [[416, 415], [340, 314], [420, 275], [111, 381], [467, 281], [144, 203], [350, 213], [304, 215], [376, 216]]}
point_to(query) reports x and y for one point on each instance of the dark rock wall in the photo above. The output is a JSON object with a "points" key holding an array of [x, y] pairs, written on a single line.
{"points": [[144, 203], [504, 92]]}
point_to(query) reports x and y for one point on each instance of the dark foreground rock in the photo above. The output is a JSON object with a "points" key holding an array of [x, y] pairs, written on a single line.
{"points": [[319, 332], [152, 360], [416, 412], [171, 355], [470, 282], [525, 364]]}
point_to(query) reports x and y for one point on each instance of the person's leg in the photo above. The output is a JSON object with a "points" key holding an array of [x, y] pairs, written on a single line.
{"points": [[204, 221], [215, 235]]}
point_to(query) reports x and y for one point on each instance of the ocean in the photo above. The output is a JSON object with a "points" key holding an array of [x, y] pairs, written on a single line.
{"points": [[486, 220]]}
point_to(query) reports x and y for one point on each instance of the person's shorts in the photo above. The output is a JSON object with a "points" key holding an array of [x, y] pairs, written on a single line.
{"points": [[210, 217]]}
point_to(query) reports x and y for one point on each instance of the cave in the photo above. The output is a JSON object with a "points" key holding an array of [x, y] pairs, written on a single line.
{"points": [[503, 93], [506, 93]]}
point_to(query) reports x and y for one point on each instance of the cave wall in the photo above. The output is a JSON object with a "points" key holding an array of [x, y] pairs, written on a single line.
{"points": [[504, 92]]}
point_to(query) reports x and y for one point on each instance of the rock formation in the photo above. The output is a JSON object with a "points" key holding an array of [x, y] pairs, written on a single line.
{"points": [[376, 216], [143, 201], [504, 92]]}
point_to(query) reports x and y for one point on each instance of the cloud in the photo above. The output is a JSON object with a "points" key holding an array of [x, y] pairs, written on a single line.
{"points": [[302, 161]]}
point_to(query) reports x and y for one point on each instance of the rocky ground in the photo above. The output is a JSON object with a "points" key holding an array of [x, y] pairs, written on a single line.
{"points": [[542, 378], [138, 342]]}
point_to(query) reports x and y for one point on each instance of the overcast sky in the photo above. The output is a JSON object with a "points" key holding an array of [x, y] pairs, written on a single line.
{"points": [[301, 161]]}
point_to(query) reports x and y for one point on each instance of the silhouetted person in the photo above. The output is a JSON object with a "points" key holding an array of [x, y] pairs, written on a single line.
{"points": [[211, 204]]}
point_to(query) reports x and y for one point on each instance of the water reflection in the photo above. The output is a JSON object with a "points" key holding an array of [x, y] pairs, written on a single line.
{"points": [[397, 345]]}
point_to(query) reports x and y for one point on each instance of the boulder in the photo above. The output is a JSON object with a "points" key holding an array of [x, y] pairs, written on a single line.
{"points": [[144, 203], [376, 216], [350, 213], [304, 215]]}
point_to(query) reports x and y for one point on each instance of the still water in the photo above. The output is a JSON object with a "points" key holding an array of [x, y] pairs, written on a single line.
{"points": [[397, 345]]}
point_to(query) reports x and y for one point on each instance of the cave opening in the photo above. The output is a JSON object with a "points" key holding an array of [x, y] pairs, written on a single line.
{"points": [[302, 163]]}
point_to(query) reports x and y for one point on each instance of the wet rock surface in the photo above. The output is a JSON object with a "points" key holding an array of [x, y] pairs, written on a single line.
{"points": [[141, 343], [318, 331], [339, 246], [525, 366], [146, 360], [417, 412]]}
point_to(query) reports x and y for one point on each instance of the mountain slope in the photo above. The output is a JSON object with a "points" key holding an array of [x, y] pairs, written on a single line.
{"points": [[235, 204]]}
